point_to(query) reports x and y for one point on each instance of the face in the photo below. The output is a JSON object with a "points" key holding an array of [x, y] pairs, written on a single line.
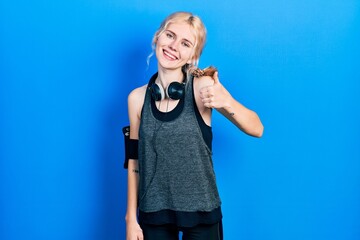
{"points": [[175, 46]]}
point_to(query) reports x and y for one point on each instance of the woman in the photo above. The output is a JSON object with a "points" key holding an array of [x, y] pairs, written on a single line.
{"points": [[171, 182]]}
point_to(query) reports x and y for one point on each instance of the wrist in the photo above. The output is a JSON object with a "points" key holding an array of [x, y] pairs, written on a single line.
{"points": [[130, 218], [227, 105]]}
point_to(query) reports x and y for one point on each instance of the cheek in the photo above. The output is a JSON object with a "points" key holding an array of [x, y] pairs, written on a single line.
{"points": [[161, 41], [189, 53]]}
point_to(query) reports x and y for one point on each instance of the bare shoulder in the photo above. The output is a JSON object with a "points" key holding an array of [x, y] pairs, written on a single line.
{"points": [[137, 93], [204, 81], [136, 98]]}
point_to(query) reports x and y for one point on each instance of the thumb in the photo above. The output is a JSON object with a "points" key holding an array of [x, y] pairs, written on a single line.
{"points": [[216, 78]]}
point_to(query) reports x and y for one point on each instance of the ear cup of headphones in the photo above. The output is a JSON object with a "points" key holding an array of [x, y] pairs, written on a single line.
{"points": [[175, 90], [157, 92]]}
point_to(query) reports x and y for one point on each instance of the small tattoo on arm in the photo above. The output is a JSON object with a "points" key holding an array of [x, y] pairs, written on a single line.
{"points": [[135, 171]]}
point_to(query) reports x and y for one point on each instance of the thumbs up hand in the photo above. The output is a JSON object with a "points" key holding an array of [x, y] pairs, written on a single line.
{"points": [[215, 96]]}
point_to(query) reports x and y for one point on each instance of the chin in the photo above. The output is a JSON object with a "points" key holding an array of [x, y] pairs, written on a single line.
{"points": [[169, 65]]}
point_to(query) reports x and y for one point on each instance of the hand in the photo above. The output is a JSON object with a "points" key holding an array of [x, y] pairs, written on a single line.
{"points": [[215, 96], [133, 231]]}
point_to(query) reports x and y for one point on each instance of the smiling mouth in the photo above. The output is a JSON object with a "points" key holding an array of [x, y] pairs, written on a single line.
{"points": [[169, 55]]}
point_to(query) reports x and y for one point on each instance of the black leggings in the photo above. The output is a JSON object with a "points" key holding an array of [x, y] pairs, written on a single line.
{"points": [[171, 232]]}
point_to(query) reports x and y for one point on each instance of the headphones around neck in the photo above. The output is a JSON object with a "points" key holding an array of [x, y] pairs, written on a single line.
{"points": [[175, 91]]}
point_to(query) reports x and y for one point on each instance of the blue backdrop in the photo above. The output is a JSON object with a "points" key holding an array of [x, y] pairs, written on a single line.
{"points": [[66, 69]]}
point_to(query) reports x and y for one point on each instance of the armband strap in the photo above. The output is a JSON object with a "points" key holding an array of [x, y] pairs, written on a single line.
{"points": [[131, 146]]}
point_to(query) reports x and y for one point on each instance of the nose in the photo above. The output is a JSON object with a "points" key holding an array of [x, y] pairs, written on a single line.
{"points": [[174, 45]]}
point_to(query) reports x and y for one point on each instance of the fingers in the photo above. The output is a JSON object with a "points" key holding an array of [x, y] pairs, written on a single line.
{"points": [[140, 235], [207, 96], [209, 104], [208, 100], [207, 92]]}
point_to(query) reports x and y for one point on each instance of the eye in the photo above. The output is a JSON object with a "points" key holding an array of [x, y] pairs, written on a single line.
{"points": [[186, 44], [169, 35]]}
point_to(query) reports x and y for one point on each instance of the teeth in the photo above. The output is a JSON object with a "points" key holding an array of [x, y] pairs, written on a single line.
{"points": [[170, 55]]}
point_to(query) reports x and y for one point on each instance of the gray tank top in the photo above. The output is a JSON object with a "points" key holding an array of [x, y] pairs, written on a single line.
{"points": [[175, 164]]}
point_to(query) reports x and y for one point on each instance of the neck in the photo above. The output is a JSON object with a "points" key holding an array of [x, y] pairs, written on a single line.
{"points": [[166, 76]]}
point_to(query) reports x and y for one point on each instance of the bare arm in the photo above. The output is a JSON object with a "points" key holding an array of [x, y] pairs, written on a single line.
{"points": [[133, 230], [216, 96]]}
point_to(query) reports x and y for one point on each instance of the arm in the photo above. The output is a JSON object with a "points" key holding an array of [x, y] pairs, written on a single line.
{"points": [[216, 96], [133, 230]]}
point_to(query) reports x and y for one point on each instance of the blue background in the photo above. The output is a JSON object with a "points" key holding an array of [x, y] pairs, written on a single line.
{"points": [[66, 69]]}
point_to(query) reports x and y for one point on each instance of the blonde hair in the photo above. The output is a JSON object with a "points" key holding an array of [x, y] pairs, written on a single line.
{"points": [[199, 31]]}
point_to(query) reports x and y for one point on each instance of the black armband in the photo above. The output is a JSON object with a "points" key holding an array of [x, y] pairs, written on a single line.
{"points": [[131, 146]]}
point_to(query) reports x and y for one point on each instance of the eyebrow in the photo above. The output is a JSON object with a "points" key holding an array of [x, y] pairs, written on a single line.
{"points": [[176, 35]]}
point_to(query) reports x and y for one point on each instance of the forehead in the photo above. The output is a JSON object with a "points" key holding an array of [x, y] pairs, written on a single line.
{"points": [[182, 30]]}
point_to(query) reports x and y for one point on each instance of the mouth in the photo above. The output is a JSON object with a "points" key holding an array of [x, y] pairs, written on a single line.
{"points": [[169, 56]]}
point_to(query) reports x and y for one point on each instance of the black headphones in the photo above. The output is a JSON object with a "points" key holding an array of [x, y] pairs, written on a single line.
{"points": [[175, 91]]}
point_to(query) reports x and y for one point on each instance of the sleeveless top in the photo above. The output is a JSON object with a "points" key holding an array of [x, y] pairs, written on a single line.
{"points": [[177, 179]]}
